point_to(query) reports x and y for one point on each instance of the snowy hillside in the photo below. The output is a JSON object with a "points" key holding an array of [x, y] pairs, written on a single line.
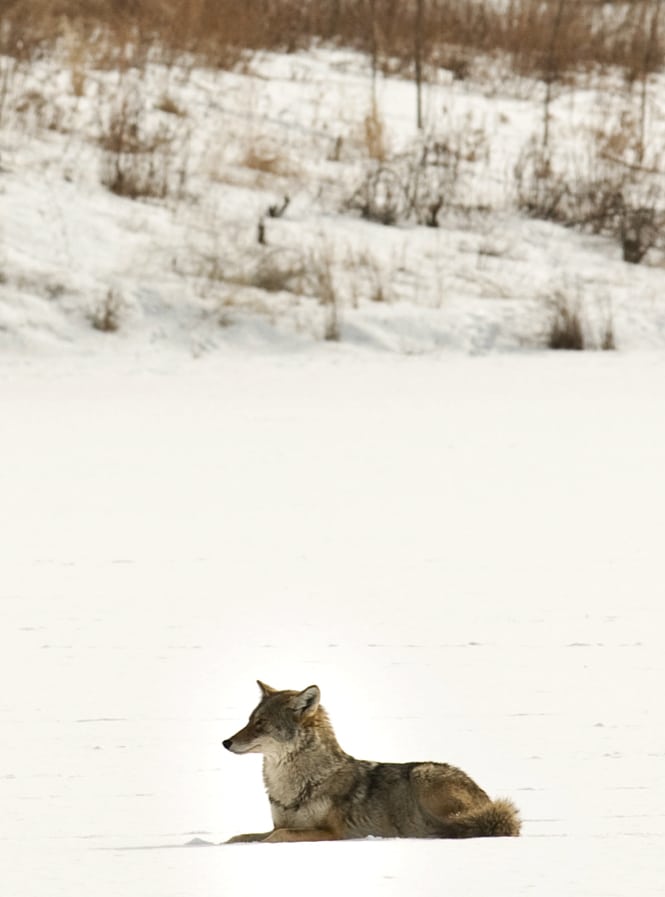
{"points": [[206, 209]]}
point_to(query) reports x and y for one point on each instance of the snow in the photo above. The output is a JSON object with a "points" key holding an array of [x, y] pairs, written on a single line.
{"points": [[464, 553]]}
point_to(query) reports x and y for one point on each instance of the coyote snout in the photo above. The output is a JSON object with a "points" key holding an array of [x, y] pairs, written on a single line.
{"points": [[318, 792], [241, 743]]}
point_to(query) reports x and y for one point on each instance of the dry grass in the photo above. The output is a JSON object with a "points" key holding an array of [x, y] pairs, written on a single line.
{"points": [[323, 285], [569, 328], [264, 279], [279, 271], [168, 105], [106, 317], [565, 330], [220, 32], [266, 159], [368, 277]]}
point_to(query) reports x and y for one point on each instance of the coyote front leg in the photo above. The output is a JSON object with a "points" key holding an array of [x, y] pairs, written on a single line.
{"points": [[252, 836], [281, 835]]}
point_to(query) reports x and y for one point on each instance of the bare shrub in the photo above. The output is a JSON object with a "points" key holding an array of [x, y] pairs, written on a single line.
{"points": [[541, 191], [380, 196], [435, 179], [639, 219], [417, 185], [604, 194], [550, 192], [640, 229], [139, 161]]}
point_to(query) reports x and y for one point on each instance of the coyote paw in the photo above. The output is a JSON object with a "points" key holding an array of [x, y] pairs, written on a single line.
{"points": [[245, 839]]}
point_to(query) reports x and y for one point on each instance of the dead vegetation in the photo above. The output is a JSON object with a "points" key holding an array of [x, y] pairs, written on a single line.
{"points": [[566, 328], [107, 315], [614, 188], [419, 184], [616, 191], [569, 326], [140, 160], [221, 32]]}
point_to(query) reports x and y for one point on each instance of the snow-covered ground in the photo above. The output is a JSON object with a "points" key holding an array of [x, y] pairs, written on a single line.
{"points": [[466, 554], [188, 269]]}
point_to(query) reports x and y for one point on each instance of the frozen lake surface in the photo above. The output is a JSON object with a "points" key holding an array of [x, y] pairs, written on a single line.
{"points": [[465, 554]]}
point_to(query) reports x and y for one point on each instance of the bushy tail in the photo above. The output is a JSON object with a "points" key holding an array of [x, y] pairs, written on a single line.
{"points": [[497, 818]]}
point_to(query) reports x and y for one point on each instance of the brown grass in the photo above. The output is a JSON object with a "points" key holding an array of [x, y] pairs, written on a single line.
{"points": [[220, 32], [168, 105], [374, 134], [265, 159]]}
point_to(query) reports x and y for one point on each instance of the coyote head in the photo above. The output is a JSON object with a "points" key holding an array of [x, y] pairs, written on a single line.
{"points": [[277, 722]]}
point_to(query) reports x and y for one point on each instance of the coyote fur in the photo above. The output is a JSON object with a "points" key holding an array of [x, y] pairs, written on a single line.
{"points": [[318, 792]]}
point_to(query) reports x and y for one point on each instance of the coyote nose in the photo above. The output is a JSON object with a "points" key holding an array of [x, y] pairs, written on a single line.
{"points": [[227, 744]]}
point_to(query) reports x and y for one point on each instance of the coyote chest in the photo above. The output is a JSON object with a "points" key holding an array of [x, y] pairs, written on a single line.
{"points": [[313, 814], [294, 801]]}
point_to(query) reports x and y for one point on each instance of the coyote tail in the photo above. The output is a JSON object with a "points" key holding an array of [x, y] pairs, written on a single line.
{"points": [[500, 817]]}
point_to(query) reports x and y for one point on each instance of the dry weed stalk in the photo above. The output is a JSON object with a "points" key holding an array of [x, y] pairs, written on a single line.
{"points": [[321, 265], [76, 56], [374, 132], [108, 314]]}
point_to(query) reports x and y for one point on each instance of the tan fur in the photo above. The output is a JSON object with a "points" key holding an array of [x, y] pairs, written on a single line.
{"points": [[318, 792]]}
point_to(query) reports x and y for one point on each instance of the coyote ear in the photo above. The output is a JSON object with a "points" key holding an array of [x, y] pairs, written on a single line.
{"points": [[266, 689], [306, 702]]}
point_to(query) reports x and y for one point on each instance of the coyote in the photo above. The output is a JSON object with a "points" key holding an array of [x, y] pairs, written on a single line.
{"points": [[317, 792]]}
